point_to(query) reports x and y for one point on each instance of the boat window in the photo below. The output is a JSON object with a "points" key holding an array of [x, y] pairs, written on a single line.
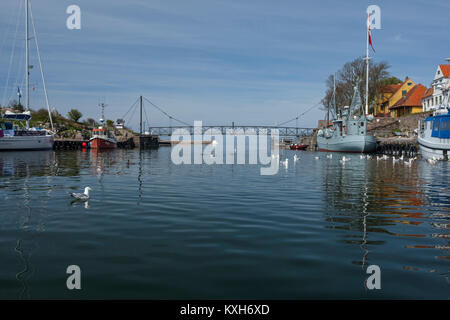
{"points": [[444, 125], [362, 124], [436, 125]]}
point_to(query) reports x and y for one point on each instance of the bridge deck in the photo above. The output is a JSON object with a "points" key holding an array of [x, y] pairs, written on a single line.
{"points": [[248, 130]]}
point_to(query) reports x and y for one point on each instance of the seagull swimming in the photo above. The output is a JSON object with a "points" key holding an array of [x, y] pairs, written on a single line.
{"points": [[317, 158], [344, 160], [82, 196], [296, 158], [329, 156]]}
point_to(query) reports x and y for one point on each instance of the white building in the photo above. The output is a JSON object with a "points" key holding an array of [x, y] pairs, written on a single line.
{"points": [[437, 96], [120, 124]]}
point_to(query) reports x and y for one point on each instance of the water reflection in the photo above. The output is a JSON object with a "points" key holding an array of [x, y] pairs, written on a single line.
{"points": [[381, 197], [17, 169], [376, 212]]}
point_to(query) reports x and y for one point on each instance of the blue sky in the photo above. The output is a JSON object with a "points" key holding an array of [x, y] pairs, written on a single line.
{"points": [[251, 62]]}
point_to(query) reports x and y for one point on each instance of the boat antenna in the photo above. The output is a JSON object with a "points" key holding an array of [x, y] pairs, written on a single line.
{"points": [[102, 119]]}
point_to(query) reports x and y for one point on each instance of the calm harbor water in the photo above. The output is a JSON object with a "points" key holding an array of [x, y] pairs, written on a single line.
{"points": [[156, 230]]}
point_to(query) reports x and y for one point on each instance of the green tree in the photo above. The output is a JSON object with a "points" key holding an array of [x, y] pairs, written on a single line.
{"points": [[391, 80], [109, 123], [74, 115], [91, 122], [16, 106], [351, 74], [40, 115]]}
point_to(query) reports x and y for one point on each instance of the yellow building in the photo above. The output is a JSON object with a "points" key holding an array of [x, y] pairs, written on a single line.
{"points": [[410, 103], [389, 95]]}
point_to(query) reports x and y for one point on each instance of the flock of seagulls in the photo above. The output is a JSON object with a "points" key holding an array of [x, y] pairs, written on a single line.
{"points": [[85, 195], [395, 160]]}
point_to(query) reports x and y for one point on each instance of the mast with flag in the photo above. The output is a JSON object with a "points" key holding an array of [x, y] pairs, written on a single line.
{"points": [[373, 20]]}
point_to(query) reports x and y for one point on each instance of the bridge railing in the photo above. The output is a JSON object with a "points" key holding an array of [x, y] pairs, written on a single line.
{"points": [[248, 130]]}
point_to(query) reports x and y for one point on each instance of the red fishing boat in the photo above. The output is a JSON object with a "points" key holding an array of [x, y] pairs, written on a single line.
{"points": [[103, 139], [298, 146]]}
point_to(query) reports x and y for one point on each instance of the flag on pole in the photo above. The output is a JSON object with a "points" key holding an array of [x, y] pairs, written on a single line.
{"points": [[369, 31], [19, 93]]}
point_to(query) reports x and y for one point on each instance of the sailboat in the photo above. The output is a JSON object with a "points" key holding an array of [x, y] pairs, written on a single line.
{"points": [[348, 131], [13, 134]]}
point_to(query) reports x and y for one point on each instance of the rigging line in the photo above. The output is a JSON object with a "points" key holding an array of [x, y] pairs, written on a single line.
{"points": [[19, 74], [10, 24], [12, 54], [165, 113], [146, 118], [130, 109], [132, 114], [303, 113], [40, 67]]}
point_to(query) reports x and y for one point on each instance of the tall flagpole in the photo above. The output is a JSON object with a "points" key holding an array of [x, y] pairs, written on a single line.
{"points": [[367, 64]]}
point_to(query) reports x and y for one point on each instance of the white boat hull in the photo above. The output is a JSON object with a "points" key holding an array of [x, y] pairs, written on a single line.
{"points": [[26, 143], [434, 148]]}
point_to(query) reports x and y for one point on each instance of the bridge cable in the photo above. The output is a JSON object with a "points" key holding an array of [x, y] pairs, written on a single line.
{"points": [[123, 117], [146, 118], [303, 113], [165, 113]]}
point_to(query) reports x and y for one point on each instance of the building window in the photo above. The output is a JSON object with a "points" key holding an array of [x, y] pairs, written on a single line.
{"points": [[403, 92], [440, 99]]}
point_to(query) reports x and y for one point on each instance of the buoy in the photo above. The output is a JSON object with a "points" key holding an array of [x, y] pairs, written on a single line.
{"points": [[84, 144]]}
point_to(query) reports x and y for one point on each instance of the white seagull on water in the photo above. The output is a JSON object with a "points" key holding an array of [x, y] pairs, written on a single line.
{"points": [[82, 196]]}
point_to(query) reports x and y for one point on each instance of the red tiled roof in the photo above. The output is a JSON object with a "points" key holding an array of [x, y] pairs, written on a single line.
{"points": [[445, 68], [412, 98], [391, 88], [428, 93]]}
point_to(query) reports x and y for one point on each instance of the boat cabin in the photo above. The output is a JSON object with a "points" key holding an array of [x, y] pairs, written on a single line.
{"points": [[102, 132], [439, 126]]}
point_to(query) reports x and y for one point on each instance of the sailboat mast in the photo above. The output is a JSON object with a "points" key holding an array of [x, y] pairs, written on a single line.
{"points": [[40, 67], [27, 62], [367, 66], [334, 94]]}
